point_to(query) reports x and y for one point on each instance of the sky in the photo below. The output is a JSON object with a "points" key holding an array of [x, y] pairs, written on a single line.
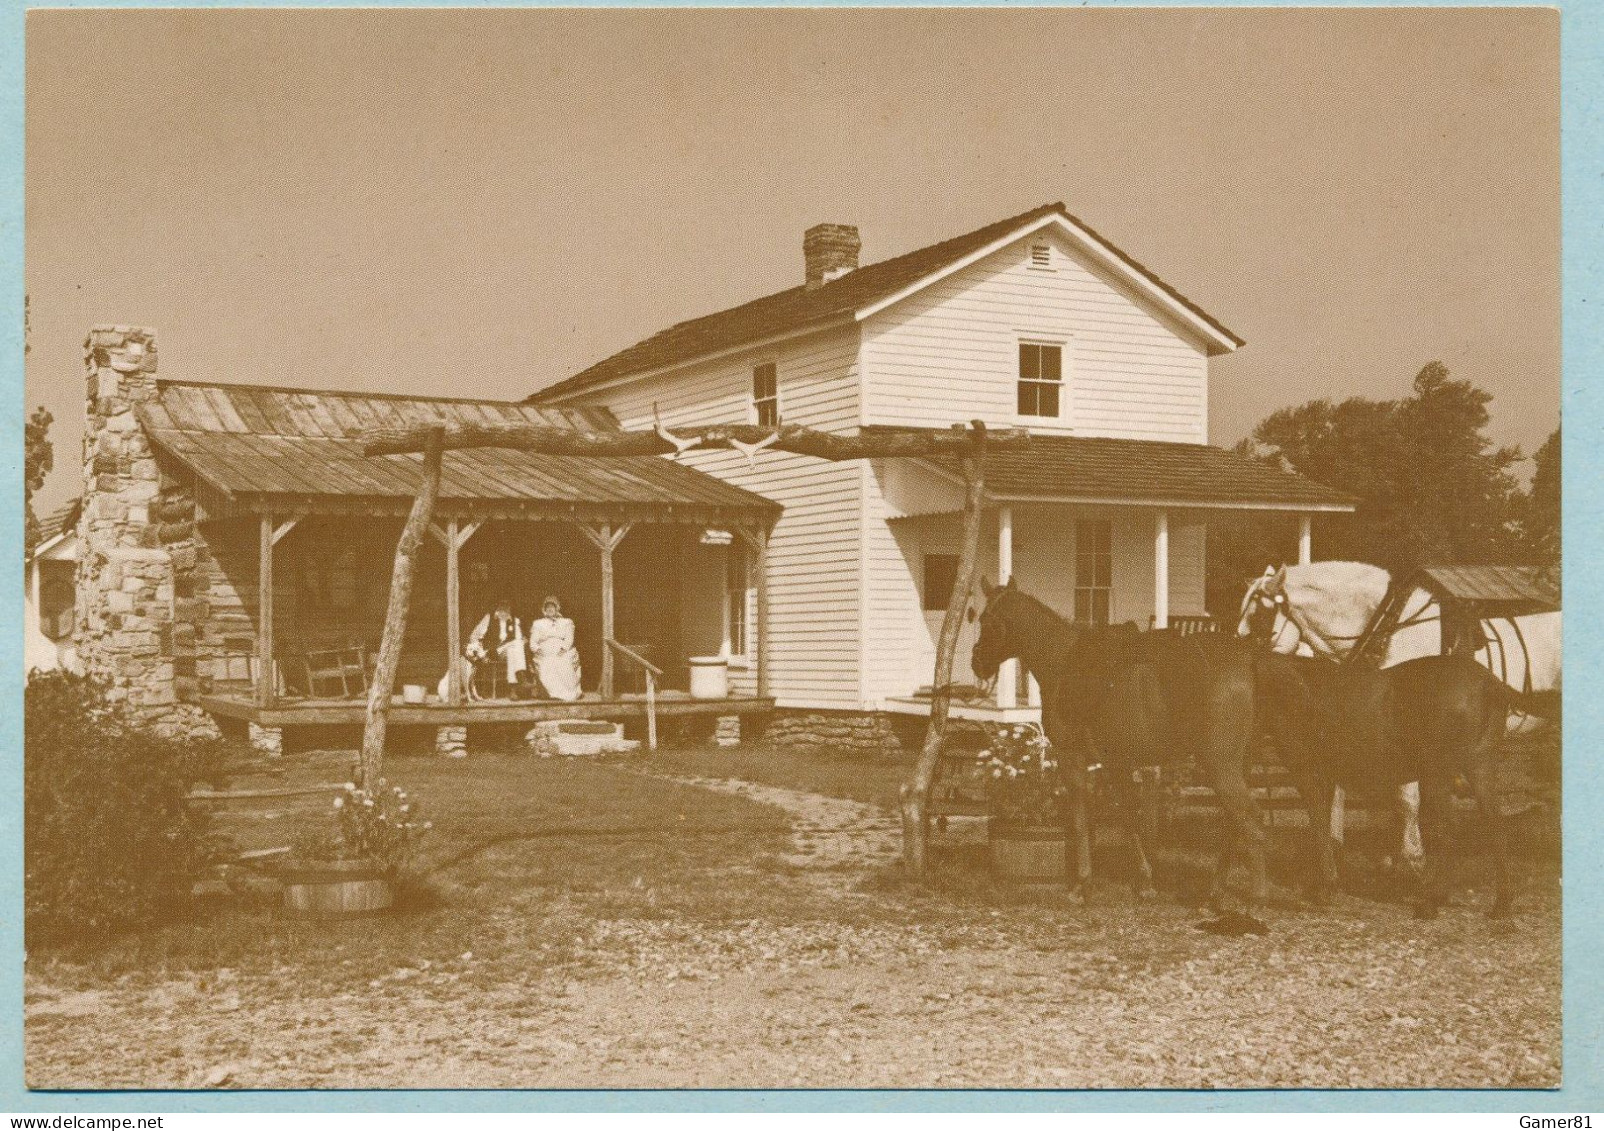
{"points": [[480, 203]]}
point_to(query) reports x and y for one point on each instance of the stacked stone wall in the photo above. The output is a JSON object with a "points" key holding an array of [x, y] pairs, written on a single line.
{"points": [[856, 734]]}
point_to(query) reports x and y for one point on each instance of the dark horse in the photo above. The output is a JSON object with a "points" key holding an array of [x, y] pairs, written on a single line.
{"points": [[1131, 699], [1371, 731]]}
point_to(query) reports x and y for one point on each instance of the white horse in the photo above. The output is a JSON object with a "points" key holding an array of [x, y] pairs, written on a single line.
{"points": [[1323, 609]]}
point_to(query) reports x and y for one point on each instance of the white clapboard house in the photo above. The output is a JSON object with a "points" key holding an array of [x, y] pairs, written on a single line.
{"points": [[1036, 320]]}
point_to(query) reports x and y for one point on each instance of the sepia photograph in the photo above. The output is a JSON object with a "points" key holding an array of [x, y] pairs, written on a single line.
{"points": [[795, 548]]}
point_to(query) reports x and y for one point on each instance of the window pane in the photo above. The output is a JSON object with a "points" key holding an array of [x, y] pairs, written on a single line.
{"points": [[1046, 400], [1027, 399], [1083, 604], [1029, 362], [768, 413], [765, 382], [941, 570], [1100, 606], [1052, 362]]}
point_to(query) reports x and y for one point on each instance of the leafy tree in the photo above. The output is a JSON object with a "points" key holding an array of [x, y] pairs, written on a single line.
{"points": [[38, 458], [1540, 527], [1432, 487]]}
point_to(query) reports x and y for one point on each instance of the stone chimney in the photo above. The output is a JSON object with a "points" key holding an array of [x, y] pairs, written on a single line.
{"points": [[829, 251], [135, 628]]}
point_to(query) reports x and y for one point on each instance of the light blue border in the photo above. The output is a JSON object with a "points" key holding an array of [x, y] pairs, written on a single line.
{"points": [[1582, 50]]}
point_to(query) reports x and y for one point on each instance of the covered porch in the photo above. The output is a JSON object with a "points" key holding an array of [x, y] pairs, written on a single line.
{"points": [[1101, 531], [295, 540]]}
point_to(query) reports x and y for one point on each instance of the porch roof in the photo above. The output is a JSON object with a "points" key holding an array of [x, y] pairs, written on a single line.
{"points": [[254, 443], [1085, 469], [1515, 589]]}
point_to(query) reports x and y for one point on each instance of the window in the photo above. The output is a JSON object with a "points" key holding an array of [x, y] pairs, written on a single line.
{"points": [[766, 394], [941, 573], [1094, 569], [736, 585], [1041, 372]]}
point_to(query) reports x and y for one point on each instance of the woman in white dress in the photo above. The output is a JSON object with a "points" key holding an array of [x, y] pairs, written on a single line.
{"points": [[551, 644]]}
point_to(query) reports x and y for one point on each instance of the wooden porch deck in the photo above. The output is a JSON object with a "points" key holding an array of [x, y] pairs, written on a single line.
{"points": [[324, 712]]}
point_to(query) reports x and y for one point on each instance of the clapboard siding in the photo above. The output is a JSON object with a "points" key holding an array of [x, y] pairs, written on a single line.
{"points": [[815, 583], [950, 352]]}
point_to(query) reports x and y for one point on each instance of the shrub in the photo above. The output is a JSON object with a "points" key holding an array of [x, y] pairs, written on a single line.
{"points": [[107, 838]]}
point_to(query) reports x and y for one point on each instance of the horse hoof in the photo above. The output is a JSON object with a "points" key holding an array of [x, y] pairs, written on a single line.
{"points": [[1077, 896], [1147, 893], [1426, 911]]}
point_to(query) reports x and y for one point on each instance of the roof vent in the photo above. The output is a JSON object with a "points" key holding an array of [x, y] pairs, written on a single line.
{"points": [[829, 251], [1041, 255]]}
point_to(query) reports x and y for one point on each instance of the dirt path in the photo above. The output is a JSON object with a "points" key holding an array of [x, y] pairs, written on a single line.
{"points": [[921, 994]]}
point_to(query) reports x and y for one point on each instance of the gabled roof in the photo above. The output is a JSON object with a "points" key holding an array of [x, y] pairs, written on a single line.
{"points": [[57, 525], [1089, 469], [846, 297], [251, 440]]}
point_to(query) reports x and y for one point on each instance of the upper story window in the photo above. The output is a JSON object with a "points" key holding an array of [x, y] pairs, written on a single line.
{"points": [[766, 394], [1041, 379], [1094, 570]]}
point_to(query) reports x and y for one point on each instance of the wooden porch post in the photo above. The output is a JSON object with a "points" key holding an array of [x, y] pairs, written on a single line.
{"points": [[453, 617], [916, 793], [757, 538], [1161, 569], [395, 617], [1305, 539], [606, 539], [265, 684], [1008, 673]]}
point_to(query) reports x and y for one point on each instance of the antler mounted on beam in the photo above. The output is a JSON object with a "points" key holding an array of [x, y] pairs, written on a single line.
{"points": [[546, 439]]}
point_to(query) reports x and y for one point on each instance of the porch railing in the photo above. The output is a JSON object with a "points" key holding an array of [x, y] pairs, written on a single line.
{"points": [[652, 671]]}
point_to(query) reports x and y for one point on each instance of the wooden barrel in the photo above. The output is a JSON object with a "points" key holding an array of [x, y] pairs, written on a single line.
{"points": [[1027, 854], [339, 887]]}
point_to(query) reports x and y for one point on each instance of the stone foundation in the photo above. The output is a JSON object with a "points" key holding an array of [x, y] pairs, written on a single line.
{"points": [[853, 734], [266, 740], [452, 742], [728, 731]]}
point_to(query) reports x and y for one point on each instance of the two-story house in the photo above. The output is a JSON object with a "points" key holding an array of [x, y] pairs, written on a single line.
{"points": [[1035, 320]]}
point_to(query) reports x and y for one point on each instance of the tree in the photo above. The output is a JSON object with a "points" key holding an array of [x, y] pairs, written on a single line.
{"points": [[38, 457], [1540, 526], [1432, 487]]}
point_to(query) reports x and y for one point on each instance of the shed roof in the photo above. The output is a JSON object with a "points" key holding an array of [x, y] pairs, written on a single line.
{"points": [[1530, 587], [1146, 472], [799, 307], [252, 441]]}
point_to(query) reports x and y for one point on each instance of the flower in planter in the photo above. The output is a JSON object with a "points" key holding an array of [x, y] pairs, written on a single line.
{"points": [[1025, 788], [378, 826]]}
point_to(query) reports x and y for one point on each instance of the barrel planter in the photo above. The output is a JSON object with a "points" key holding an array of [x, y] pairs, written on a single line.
{"points": [[1027, 854], [337, 887]]}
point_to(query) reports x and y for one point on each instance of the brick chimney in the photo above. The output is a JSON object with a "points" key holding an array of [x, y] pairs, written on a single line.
{"points": [[829, 251]]}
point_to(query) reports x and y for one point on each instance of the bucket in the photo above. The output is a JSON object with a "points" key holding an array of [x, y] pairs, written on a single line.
{"points": [[412, 693], [710, 677]]}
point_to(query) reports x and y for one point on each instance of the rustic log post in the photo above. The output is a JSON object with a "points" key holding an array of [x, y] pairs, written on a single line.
{"points": [[395, 617], [265, 683], [916, 793]]}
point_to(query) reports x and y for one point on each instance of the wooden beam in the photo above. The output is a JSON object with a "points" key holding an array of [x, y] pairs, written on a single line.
{"points": [[916, 793], [286, 526], [453, 615], [758, 539], [606, 539], [395, 617], [552, 440], [266, 685]]}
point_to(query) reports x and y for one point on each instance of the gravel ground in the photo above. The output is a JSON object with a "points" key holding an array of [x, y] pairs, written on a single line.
{"points": [[876, 983]]}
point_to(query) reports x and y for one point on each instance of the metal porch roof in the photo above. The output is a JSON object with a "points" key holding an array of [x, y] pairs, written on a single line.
{"points": [[251, 440]]}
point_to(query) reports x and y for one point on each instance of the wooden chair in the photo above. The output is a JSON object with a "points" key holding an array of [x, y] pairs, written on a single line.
{"points": [[344, 668]]}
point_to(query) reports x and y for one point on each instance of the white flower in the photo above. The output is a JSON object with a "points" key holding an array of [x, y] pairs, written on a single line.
{"points": [[350, 787], [996, 773], [367, 802], [339, 802]]}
